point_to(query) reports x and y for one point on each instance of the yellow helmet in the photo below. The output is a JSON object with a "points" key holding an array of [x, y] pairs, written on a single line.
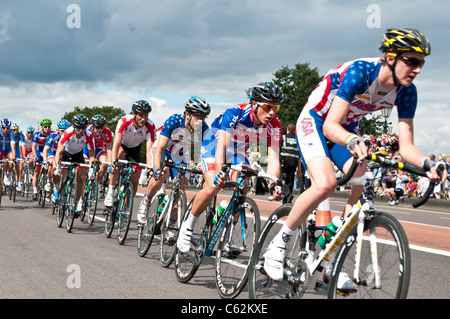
{"points": [[405, 40]]}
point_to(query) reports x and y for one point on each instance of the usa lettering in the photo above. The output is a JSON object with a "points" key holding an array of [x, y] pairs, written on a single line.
{"points": [[307, 126]]}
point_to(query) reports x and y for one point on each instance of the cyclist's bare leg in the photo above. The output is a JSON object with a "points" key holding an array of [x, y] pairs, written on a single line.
{"points": [[204, 197], [81, 178], [323, 184]]}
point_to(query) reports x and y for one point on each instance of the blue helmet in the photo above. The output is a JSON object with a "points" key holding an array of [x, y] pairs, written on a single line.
{"points": [[30, 128], [5, 123], [63, 124]]}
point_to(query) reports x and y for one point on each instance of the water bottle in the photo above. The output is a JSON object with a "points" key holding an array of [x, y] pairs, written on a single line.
{"points": [[220, 210], [161, 205], [329, 231]]}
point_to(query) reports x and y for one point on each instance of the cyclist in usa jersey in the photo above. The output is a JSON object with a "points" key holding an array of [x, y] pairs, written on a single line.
{"points": [[227, 142], [7, 148], [50, 148], [70, 149], [130, 132], [39, 139], [103, 139], [177, 136], [332, 113]]}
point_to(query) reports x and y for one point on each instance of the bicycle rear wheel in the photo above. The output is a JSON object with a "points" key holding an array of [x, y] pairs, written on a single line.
{"points": [[169, 233], [91, 202], [384, 243], [125, 212], [233, 257], [147, 230], [186, 264], [296, 273]]}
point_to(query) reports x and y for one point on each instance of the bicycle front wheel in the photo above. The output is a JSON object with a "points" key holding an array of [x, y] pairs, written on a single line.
{"points": [[169, 230], [125, 211], [236, 245], [147, 230], [385, 261], [294, 282], [71, 204]]}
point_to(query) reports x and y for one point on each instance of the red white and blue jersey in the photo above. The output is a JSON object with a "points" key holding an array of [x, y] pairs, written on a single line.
{"points": [[103, 139], [132, 137], [180, 138], [40, 138], [356, 82], [52, 142], [240, 123]]}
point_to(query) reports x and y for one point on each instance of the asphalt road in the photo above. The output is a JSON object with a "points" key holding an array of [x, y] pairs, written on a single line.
{"points": [[40, 260]]}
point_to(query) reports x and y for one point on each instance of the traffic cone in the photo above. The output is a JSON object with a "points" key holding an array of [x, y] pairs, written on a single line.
{"points": [[323, 214]]}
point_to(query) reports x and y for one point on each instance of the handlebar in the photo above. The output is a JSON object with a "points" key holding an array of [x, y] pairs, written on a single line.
{"points": [[181, 167], [251, 172], [387, 162]]}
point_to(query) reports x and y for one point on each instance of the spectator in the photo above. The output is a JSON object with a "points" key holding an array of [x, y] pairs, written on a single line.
{"points": [[442, 170], [412, 187]]}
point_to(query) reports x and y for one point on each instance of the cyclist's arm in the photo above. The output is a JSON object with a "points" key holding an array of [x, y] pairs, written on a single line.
{"points": [[409, 151], [335, 132], [45, 152], [116, 146], [108, 148], [273, 165], [223, 141], [163, 141], [148, 155], [33, 149]]}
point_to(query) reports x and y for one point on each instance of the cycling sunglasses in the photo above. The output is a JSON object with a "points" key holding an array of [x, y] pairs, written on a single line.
{"points": [[268, 107], [412, 62]]}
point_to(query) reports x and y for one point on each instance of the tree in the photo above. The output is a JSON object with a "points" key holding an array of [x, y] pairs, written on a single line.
{"points": [[112, 114], [296, 84]]}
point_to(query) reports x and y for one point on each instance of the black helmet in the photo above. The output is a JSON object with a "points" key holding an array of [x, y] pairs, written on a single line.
{"points": [[405, 40], [80, 120], [267, 92], [141, 106], [98, 121], [196, 104]]}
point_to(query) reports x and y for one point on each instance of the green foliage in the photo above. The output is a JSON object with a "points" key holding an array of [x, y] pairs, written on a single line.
{"points": [[297, 84], [112, 114]]}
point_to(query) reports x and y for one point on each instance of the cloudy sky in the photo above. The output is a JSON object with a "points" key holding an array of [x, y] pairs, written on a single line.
{"points": [[54, 55]]}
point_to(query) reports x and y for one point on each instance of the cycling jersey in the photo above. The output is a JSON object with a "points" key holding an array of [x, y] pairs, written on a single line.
{"points": [[19, 140], [40, 138], [103, 139], [239, 121], [28, 146], [7, 142], [357, 83], [74, 144], [52, 142], [132, 137], [180, 138]]}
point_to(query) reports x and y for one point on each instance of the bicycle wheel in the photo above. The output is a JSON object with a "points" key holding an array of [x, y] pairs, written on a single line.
{"points": [[125, 212], [296, 275], [13, 186], [71, 204], [110, 219], [233, 254], [61, 204], [384, 242], [147, 230], [186, 264], [169, 232], [92, 201]]}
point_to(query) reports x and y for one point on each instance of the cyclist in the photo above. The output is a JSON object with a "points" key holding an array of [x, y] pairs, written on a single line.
{"points": [[19, 140], [179, 133], [102, 141], [7, 148], [39, 139], [130, 132], [50, 148], [29, 141], [332, 113], [227, 141], [70, 149]]}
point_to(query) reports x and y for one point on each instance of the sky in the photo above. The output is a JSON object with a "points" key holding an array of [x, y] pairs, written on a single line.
{"points": [[57, 54]]}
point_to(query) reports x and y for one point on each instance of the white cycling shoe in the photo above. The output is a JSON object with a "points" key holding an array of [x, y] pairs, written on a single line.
{"points": [[184, 239], [274, 261]]}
